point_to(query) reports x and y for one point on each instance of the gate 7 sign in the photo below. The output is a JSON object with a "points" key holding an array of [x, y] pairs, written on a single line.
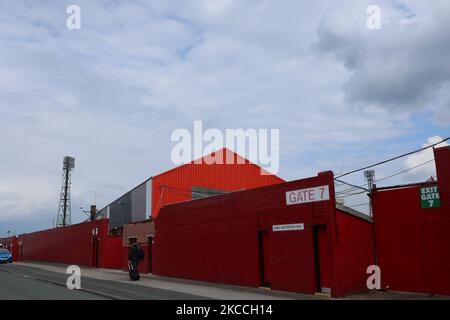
{"points": [[315, 194], [429, 197]]}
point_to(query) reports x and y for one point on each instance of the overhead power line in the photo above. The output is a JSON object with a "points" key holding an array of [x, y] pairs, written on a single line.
{"points": [[351, 185], [346, 195], [406, 170], [384, 178], [391, 159]]}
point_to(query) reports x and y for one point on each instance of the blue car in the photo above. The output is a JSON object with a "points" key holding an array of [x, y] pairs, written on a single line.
{"points": [[5, 256]]}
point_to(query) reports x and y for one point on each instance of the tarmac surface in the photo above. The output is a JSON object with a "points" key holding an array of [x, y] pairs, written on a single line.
{"points": [[43, 280], [17, 287], [24, 282]]}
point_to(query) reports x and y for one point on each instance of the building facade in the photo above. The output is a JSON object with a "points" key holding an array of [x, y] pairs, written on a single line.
{"points": [[412, 232], [194, 180], [290, 236]]}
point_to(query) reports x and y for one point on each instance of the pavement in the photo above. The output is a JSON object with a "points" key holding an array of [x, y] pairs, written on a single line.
{"points": [[25, 280]]}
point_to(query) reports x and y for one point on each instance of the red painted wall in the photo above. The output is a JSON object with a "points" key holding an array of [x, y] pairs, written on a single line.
{"points": [[353, 253], [441, 243], [111, 252], [175, 185], [401, 238], [73, 245], [216, 239], [413, 244]]}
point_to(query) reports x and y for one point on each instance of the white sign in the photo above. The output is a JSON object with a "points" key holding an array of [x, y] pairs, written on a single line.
{"points": [[288, 227], [321, 193]]}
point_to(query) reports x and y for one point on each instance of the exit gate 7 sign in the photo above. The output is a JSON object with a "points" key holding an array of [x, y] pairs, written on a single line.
{"points": [[429, 197], [321, 193]]}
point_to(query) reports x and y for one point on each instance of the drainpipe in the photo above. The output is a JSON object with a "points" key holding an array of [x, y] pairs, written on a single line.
{"points": [[372, 192]]}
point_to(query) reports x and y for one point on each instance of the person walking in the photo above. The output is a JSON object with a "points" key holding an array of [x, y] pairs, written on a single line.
{"points": [[136, 255]]}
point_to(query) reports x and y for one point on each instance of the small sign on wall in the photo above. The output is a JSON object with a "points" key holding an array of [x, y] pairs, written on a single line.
{"points": [[288, 227], [308, 195], [429, 197]]}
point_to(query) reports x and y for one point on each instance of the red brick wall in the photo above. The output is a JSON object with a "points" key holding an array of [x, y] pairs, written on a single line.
{"points": [[73, 245], [442, 158], [111, 252], [400, 239], [353, 253], [216, 239], [441, 243], [413, 244], [141, 231], [292, 253]]}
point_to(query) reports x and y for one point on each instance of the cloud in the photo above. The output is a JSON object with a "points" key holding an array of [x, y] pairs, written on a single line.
{"points": [[420, 164], [404, 66]]}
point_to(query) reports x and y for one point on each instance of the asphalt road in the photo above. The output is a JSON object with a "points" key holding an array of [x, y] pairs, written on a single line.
{"points": [[20, 282], [19, 287]]}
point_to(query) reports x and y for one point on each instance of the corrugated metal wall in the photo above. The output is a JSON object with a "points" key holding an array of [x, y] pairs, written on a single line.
{"points": [[120, 211], [138, 203], [134, 206], [176, 185]]}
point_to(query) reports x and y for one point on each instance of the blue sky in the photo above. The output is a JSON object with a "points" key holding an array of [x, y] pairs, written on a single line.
{"points": [[111, 93]]}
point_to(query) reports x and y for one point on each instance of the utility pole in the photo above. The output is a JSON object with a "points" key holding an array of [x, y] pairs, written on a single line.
{"points": [[369, 175]]}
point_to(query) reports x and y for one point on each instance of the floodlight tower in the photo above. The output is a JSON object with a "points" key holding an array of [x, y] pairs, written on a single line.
{"points": [[64, 217]]}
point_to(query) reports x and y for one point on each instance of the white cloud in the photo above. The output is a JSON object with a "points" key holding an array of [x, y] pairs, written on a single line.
{"points": [[416, 162], [215, 7], [404, 66]]}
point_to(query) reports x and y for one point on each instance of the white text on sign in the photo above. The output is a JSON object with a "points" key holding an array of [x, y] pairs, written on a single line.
{"points": [[315, 194], [288, 227]]}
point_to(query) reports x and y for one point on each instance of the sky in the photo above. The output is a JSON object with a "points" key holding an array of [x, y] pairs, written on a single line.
{"points": [[111, 93]]}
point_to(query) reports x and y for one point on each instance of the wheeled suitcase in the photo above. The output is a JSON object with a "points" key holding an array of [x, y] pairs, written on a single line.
{"points": [[134, 274]]}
